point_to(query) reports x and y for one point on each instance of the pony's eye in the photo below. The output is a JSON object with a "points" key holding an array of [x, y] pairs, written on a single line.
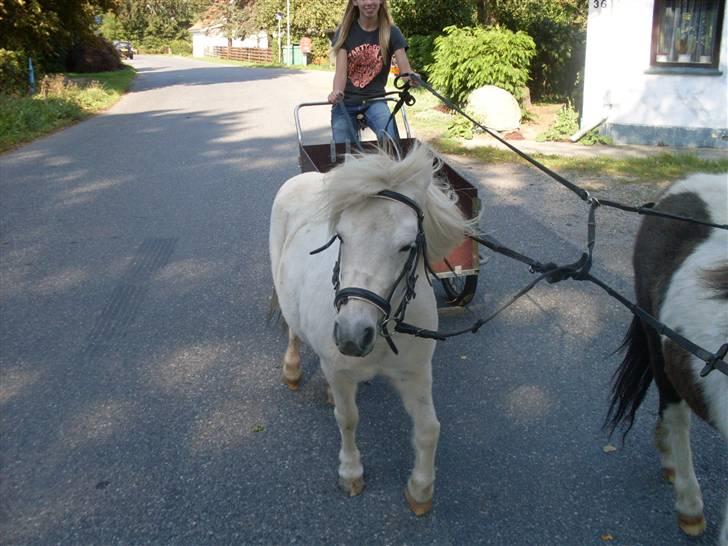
{"points": [[407, 248]]}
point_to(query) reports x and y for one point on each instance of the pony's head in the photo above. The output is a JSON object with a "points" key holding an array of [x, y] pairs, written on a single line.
{"points": [[381, 238]]}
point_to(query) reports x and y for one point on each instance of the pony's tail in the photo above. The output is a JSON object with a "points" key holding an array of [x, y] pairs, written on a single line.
{"points": [[631, 380]]}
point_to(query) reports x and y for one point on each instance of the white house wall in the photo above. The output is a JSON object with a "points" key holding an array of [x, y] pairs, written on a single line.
{"points": [[642, 104]]}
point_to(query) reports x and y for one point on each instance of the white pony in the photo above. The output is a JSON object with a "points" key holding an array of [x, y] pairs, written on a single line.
{"points": [[381, 211]]}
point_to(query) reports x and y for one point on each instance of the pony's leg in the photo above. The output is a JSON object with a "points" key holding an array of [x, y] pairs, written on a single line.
{"points": [[351, 471], [668, 397], [416, 393], [292, 362], [662, 442], [675, 421]]}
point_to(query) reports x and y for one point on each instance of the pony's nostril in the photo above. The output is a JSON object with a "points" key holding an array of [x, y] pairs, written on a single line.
{"points": [[336, 332], [368, 337]]}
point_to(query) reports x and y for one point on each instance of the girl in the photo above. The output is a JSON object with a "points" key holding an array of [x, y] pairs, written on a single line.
{"points": [[363, 46]]}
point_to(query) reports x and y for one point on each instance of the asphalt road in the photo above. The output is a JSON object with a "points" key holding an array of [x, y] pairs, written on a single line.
{"points": [[140, 399]]}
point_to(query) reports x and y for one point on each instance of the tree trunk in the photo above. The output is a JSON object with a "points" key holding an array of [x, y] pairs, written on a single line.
{"points": [[482, 6], [230, 47]]}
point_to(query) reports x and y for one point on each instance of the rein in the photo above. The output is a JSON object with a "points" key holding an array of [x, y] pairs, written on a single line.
{"points": [[580, 270], [551, 272]]}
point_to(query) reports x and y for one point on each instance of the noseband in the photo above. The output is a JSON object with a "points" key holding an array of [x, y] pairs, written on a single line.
{"points": [[408, 277]]}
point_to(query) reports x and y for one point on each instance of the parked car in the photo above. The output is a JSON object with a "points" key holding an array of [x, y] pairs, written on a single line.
{"points": [[125, 49]]}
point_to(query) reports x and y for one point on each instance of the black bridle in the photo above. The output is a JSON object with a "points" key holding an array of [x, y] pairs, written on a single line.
{"points": [[408, 278]]}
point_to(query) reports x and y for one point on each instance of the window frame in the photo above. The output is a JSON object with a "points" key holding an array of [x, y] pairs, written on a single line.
{"points": [[658, 9]]}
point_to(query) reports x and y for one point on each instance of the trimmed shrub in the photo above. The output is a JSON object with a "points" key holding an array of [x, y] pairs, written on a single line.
{"points": [[471, 57], [13, 72], [93, 55]]}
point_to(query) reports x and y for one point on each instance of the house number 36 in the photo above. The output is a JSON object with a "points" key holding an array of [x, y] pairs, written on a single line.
{"points": [[601, 3]]}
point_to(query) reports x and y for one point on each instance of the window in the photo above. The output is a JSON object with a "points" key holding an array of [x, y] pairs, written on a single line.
{"points": [[687, 33]]}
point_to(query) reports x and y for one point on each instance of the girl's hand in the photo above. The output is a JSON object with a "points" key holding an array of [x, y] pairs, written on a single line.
{"points": [[335, 96], [414, 82]]}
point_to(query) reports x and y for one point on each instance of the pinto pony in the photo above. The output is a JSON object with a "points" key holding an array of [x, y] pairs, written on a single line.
{"points": [[388, 219], [681, 278]]}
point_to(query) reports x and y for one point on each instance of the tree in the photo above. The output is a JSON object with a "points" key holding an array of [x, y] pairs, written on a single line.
{"points": [[111, 27], [46, 29], [422, 17], [559, 29], [308, 17], [233, 15], [316, 17], [483, 12], [159, 21]]}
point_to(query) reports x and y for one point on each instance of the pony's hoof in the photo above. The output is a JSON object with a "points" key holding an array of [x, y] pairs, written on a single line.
{"points": [[691, 525], [352, 487], [419, 508], [292, 384], [669, 474]]}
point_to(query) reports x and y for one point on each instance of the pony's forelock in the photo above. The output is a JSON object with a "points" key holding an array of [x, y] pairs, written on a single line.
{"points": [[362, 176]]}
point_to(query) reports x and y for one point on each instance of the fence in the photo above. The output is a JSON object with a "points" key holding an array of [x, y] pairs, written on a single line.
{"points": [[248, 54]]}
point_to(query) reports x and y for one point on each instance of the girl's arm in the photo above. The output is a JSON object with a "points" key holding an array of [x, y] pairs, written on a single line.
{"points": [[400, 56], [339, 77]]}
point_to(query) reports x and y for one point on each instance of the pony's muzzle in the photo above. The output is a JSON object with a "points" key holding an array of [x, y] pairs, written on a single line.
{"points": [[354, 338]]}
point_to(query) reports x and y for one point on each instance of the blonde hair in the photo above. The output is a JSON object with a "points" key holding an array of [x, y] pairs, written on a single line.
{"points": [[385, 28]]}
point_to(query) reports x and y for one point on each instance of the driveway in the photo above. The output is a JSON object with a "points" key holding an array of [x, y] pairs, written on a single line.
{"points": [[140, 393]]}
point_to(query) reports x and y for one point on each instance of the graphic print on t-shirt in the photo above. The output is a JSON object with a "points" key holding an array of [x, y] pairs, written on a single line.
{"points": [[364, 63]]}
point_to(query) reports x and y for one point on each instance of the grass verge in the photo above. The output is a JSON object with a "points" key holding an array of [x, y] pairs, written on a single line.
{"points": [[431, 124], [661, 167], [246, 64], [61, 101]]}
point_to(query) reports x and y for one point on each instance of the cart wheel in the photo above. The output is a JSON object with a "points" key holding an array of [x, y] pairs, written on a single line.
{"points": [[460, 290]]}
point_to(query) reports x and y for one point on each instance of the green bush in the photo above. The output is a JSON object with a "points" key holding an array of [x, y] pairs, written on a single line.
{"points": [[420, 52], [13, 72], [180, 47], [95, 54], [152, 45], [319, 50], [470, 57], [558, 27]]}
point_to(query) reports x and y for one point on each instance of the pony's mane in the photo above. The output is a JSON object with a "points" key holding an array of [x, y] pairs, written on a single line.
{"points": [[362, 176]]}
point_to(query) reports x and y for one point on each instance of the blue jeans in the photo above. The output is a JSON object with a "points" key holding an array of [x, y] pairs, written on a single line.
{"points": [[377, 117]]}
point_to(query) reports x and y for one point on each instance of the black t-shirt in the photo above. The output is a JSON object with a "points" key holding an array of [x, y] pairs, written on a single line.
{"points": [[366, 73]]}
